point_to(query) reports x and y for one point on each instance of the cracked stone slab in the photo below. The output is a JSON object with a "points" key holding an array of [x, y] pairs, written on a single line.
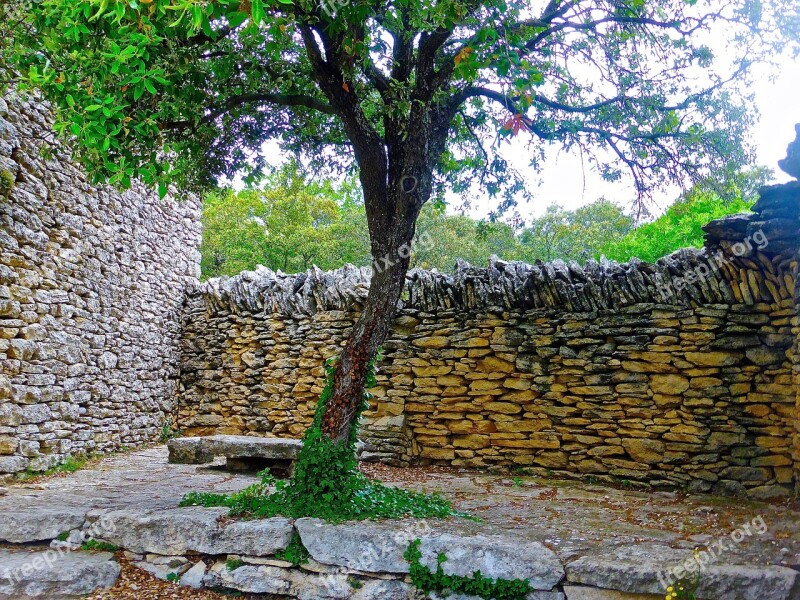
{"points": [[38, 523], [195, 529], [379, 547], [579, 592], [644, 569], [303, 585], [54, 576]]}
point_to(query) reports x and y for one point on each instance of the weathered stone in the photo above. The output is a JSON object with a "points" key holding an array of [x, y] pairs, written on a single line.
{"points": [[187, 450], [196, 529], [495, 557], [39, 524], [194, 576], [379, 547], [791, 164], [765, 356], [644, 450], [54, 576], [636, 569], [669, 384], [163, 571], [575, 592], [92, 284], [712, 359]]}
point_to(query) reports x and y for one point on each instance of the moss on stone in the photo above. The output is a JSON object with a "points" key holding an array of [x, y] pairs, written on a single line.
{"points": [[7, 181]]}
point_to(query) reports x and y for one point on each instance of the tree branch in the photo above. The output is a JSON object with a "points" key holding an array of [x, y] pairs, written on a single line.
{"points": [[288, 100]]}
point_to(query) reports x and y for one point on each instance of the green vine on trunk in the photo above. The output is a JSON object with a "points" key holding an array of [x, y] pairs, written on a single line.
{"points": [[327, 483], [491, 589]]}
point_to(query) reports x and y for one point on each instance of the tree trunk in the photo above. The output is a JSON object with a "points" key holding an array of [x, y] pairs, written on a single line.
{"points": [[396, 182], [391, 257]]}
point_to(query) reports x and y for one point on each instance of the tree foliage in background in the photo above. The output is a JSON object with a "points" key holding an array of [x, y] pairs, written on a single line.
{"points": [[681, 225], [573, 235], [239, 234], [294, 222]]}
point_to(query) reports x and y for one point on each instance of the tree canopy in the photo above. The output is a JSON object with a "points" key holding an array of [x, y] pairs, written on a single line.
{"points": [[184, 91]]}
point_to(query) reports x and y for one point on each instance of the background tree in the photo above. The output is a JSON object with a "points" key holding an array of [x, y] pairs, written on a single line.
{"points": [[681, 225], [573, 235], [290, 225], [187, 90], [450, 237]]}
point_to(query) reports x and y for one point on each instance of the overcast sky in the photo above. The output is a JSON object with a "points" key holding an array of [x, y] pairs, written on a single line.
{"points": [[565, 181]]}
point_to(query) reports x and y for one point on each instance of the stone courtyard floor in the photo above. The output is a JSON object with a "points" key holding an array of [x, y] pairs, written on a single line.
{"points": [[573, 519]]}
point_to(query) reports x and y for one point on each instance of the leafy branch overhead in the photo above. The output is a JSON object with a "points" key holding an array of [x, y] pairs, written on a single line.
{"points": [[187, 90]]}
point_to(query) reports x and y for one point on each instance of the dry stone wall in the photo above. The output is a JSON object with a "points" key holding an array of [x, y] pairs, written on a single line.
{"points": [[91, 286], [678, 373]]}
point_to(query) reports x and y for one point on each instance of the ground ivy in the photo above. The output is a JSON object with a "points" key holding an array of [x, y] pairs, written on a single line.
{"points": [[491, 589], [295, 552]]}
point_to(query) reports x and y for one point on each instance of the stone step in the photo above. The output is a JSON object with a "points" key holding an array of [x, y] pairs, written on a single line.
{"points": [[54, 575], [201, 450], [650, 568], [195, 529], [23, 525]]}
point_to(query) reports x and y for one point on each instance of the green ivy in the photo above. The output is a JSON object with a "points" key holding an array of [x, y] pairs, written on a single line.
{"points": [[97, 546], [168, 432], [233, 563], [295, 552], [327, 483], [477, 585]]}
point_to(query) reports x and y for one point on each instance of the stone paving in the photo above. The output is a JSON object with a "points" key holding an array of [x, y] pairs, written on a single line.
{"points": [[619, 539]]}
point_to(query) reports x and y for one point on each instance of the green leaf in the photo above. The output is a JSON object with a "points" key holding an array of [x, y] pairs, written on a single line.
{"points": [[257, 11]]}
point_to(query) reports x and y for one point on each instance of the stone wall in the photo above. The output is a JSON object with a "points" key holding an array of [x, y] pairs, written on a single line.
{"points": [[678, 373], [91, 286]]}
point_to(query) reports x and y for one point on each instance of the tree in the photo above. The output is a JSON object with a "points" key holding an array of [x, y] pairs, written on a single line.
{"points": [[681, 225], [289, 225], [446, 238], [183, 91], [573, 235]]}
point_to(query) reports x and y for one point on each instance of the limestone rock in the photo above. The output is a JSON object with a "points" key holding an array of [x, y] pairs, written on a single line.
{"points": [[54, 576], [274, 580], [636, 569], [194, 450], [163, 571], [495, 557], [193, 578], [644, 450], [378, 547], [196, 529], [365, 546], [791, 164], [39, 524], [574, 592]]}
